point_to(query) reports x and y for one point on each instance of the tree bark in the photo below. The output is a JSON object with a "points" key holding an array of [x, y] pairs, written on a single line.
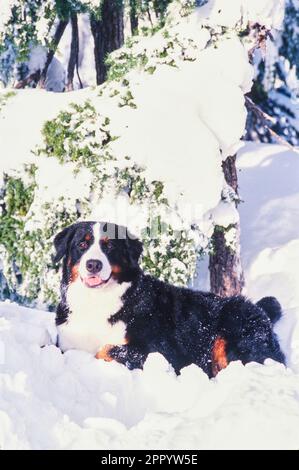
{"points": [[74, 54], [57, 37], [226, 273], [133, 17], [108, 34]]}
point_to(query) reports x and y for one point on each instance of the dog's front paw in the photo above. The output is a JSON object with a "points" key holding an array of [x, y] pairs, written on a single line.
{"points": [[104, 353], [131, 357]]}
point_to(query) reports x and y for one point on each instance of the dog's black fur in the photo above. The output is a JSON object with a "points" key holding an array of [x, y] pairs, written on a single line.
{"points": [[179, 323]]}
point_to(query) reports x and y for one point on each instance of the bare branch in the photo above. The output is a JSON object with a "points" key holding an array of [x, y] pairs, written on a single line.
{"points": [[265, 118], [33, 78], [258, 111], [282, 141]]}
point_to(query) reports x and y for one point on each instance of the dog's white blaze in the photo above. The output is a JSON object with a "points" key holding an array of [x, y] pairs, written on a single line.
{"points": [[95, 252], [87, 327]]}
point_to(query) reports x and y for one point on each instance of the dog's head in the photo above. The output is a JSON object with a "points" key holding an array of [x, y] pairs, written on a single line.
{"points": [[96, 253]]}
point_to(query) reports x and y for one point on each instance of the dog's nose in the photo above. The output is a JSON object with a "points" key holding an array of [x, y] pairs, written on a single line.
{"points": [[94, 265]]}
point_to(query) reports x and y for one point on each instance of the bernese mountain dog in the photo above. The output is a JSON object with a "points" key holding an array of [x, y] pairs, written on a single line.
{"points": [[112, 309]]}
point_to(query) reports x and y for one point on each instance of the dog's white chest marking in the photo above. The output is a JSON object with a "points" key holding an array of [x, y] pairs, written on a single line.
{"points": [[87, 327]]}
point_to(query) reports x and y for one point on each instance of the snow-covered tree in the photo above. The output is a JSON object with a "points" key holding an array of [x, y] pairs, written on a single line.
{"points": [[24, 25], [165, 103], [276, 87], [33, 32]]}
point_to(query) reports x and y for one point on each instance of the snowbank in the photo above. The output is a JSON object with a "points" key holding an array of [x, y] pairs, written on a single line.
{"points": [[269, 176], [50, 400]]}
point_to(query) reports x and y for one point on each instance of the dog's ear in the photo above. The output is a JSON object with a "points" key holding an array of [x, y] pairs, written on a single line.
{"points": [[135, 248], [62, 240]]}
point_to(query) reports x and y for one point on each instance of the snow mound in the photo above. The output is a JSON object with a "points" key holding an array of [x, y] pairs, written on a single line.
{"points": [[269, 176], [222, 13], [50, 400]]}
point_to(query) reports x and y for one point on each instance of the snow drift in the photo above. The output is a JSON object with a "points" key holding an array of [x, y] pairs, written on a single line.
{"points": [[72, 401]]}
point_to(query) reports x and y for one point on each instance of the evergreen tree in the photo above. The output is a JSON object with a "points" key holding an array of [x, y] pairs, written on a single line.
{"points": [[276, 83], [30, 23], [26, 24]]}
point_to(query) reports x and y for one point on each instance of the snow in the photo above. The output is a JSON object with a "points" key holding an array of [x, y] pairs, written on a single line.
{"points": [[223, 13], [269, 176], [225, 214], [86, 65], [37, 59], [73, 401], [63, 181], [26, 112], [6, 7], [179, 128], [171, 133]]}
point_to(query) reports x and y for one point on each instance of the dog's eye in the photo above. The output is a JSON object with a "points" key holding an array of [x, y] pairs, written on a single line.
{"points": [[107, 243], [83, 245]]}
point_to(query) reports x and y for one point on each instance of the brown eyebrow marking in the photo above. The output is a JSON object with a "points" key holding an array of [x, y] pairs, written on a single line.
{"points": [[105, 239], [87, 237], [104, 353]]}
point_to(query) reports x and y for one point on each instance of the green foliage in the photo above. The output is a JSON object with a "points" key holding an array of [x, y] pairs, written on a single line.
{"points": [[127, 99], [171, 50], [188, 6], [167, 251], [79, 136], [16, 199], [151, 10], [125, 60], [27, 23], [4, 97], [290, 35]]}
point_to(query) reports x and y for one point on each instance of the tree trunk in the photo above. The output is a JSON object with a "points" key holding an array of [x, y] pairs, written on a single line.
{"points": [[57, 37], [108, 34], [226, 273], [133, 17], [74, 54], [160, 7]]}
